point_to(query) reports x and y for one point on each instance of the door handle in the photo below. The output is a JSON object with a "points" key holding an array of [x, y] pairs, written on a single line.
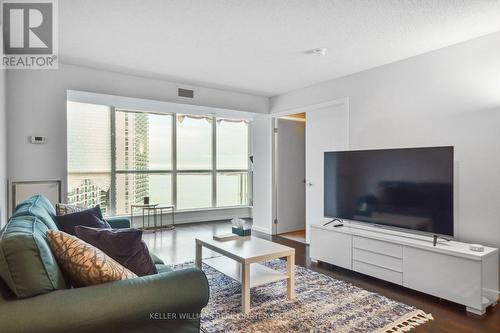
{"points": [[309, 184]]}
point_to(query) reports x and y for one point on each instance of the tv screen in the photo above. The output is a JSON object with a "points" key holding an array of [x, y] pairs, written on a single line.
{"points": [[409, 188]]}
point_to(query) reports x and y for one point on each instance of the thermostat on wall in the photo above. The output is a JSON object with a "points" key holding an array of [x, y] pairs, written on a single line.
{"points": [[37, 139]]}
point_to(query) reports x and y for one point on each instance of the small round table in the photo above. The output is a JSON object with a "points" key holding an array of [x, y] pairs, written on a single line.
{"points": [[143, 206], [154, 210], [159, 210]]}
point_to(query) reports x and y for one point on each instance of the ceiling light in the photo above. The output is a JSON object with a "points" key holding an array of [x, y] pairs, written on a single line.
{"points": [[320, 51]]}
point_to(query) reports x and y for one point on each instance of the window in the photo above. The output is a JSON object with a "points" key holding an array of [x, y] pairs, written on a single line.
{"points": [[232, 188], [232, 144], [232, 162], [194, 190], [131, 155], [143, 159], [131, 188], [89, 161], [194, 143], [194, 162]]}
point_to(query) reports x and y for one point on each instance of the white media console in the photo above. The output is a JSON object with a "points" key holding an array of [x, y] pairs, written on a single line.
{"points": [[449, 270]]}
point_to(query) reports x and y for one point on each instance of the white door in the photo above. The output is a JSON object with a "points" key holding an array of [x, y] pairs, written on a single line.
{"points": [[327, 129], [290, 175]]}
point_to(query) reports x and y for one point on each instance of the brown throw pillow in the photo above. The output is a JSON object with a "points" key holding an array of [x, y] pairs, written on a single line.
{"points": [[84, 264], [123, 245]]}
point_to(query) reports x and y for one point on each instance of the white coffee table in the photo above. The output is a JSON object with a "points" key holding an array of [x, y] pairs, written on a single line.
{"points": [[240, 261]]}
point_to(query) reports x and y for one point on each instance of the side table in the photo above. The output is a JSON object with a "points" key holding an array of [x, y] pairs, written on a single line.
{"points": [[160, 210], [143, 206]]}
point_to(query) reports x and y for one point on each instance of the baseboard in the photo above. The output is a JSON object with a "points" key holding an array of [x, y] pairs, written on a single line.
{"points": [[261, 229], [207, 215]]}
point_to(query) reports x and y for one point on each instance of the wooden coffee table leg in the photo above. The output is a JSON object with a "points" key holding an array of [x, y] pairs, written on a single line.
{"points": [[198, 254], [290, 266], [245, 288]]}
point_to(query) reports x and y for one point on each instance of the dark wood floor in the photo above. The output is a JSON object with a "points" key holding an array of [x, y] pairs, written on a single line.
{"points": [[178, 246]]}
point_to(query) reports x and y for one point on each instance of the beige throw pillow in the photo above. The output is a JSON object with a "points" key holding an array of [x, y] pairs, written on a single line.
{"points": [[85, 264]]}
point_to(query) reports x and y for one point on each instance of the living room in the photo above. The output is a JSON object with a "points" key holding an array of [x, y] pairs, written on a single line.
{"points": [[250, 166]]}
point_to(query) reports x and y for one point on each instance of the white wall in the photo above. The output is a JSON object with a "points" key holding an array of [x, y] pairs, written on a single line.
{"points": [[3, 149], [262, 174], [447, 97], [37, 105]]}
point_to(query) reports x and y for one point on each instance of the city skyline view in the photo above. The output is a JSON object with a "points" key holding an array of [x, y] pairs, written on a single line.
{"points": [[115, 170]]}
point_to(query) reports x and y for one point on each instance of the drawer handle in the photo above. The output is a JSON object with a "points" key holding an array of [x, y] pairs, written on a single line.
{"points": [[379, 266], [376, 252]]}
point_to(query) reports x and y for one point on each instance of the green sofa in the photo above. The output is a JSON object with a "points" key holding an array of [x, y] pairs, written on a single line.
{"points": [[35, 297]]}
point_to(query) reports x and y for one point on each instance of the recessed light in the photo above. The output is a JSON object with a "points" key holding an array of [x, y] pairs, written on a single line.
{"points": [[320, 51]]}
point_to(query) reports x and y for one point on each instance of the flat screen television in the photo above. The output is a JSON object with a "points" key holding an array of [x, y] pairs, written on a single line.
{"points": [[410, 188]]}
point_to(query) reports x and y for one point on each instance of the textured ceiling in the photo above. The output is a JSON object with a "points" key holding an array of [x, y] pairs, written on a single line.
{"points": [[259, 46]]}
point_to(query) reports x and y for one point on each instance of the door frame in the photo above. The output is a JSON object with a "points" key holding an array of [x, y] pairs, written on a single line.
{"points": [[312, 107], [288, 112]]}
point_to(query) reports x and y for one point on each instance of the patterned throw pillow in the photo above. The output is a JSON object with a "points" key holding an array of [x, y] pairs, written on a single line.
{"points": [[84, 264], [63, 209]]}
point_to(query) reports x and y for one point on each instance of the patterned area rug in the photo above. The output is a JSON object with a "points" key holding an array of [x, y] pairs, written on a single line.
{"points": [[322, 304]]}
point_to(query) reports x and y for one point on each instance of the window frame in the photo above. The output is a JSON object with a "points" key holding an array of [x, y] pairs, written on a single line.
{"points": [[115, 171], [173, 171]]}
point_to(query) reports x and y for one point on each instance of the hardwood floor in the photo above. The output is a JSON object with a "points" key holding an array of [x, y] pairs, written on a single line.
{"points": [[298, 236], [178, 246]]}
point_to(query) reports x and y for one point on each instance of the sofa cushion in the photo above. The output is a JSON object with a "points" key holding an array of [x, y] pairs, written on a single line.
{"points": [[156, 259], [40, 207], [85, 264], [161, 268], [118, 222], [90, 218], [123, 245], [27, 264]]}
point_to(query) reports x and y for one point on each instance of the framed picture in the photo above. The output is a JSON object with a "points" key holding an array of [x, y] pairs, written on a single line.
{"points": [[22, 190]]}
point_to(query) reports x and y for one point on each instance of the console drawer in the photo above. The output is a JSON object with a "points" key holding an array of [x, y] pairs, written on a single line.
{"points": [[373, 245], [331, 247], [381, 260], [378, 272]]}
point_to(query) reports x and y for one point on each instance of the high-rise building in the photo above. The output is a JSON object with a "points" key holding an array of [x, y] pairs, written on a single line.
{"points": [[132, 154], [90, 157], [89, 194], [89, 152]]}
